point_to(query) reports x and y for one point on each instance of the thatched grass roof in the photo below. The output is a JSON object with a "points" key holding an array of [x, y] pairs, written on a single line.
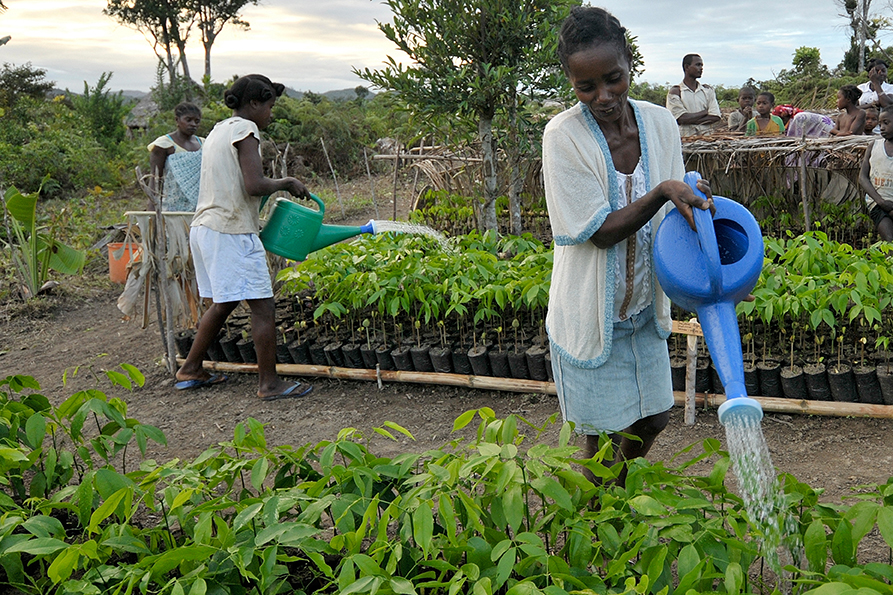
{"points": [[752, 170]]}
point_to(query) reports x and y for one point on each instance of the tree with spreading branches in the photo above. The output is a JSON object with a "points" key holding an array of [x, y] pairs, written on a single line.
{"points": [[471, 61], [211, 16], [165, 24]]}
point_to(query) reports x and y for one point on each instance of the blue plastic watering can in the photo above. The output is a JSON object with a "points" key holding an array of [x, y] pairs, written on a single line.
{"points": [[708, 272]]}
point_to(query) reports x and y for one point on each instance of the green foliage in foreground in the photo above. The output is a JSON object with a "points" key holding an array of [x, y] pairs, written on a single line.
{"points": [[494, 514]]}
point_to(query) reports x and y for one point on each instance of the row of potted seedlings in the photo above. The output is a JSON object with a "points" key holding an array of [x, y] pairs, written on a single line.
{"points": [[402, 302], [425, 353]]}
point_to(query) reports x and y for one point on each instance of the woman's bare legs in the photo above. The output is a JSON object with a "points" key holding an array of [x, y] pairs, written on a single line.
{"points": [[641, 437]]}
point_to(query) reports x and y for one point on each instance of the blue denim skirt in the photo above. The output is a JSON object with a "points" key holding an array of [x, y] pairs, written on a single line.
{"points": [[633, 383]]}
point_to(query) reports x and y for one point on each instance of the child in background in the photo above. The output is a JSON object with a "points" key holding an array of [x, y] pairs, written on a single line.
{"points": [[871, 120], [765, 123], [852, 120], [177, 159], [230, 261], [876, 176], [738, 119]]}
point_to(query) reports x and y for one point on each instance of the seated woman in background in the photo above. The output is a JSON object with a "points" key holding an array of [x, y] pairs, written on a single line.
{"points": [[176, 158], [852, 120]]}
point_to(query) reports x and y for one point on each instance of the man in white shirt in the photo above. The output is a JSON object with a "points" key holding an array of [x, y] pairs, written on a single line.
{"points": [[692, 104], [877, 91]]}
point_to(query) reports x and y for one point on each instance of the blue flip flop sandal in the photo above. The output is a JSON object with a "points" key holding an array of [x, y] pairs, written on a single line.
{"points": [[298, 389], [195, 383]]}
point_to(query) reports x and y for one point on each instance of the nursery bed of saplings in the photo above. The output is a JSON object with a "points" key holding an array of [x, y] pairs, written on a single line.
{"points": [[814, 331]]}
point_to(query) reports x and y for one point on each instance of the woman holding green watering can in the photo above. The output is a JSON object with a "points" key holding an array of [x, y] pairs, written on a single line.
{"points": [[230, 261]]}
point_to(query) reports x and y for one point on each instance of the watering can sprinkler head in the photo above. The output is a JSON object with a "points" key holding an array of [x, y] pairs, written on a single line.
{"points": [[709, 271], [739, 410]]}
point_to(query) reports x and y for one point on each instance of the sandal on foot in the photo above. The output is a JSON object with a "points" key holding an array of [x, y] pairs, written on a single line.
{"points": [[299, 389], [197, 383]]}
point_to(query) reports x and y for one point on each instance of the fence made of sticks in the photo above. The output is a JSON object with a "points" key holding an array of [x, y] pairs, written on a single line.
{"points": [[788, 183]]}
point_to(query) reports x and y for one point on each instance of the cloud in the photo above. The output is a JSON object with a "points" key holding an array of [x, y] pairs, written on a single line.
{"points": [[314, 44]]}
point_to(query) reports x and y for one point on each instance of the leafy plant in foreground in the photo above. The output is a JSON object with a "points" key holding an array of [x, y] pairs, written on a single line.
{"points": [[492, 513]]}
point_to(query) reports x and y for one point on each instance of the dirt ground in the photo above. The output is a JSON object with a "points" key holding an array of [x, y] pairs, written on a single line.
{"points": [[79, 332]]}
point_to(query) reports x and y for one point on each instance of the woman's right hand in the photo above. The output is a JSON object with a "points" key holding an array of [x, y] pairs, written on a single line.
{"points": [[684, 198], [296, 188]]}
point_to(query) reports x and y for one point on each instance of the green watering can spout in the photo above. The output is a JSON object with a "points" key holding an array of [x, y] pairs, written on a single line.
{"points": [[293, 231]]}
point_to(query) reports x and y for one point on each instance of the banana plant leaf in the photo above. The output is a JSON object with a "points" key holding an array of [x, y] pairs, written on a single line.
{"points": [[36, 251]]}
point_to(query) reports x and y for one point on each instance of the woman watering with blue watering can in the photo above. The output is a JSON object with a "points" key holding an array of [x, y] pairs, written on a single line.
{"points": [[613, 169], [230, 261]]}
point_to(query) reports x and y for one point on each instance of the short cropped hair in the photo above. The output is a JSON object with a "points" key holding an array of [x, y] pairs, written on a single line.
{"points": [[687, 59], [769, 95]]}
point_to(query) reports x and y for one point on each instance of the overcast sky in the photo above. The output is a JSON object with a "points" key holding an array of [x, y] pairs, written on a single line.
{"points": [[312, 44]]}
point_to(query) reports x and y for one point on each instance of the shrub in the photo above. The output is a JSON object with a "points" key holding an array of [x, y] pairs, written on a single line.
{"points": [[103, 112], [22, 81], [51, 134]]}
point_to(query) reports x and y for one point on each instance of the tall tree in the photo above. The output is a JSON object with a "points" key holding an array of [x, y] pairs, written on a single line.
{"points": [[164, 23], [862, 31], [470, 60], [212, 16]]}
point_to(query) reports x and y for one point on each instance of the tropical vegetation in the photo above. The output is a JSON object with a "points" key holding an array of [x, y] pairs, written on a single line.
{"points": [[493, 511]]}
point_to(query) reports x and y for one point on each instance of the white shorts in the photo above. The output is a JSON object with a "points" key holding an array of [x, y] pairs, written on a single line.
{"points": [[229, 267]]}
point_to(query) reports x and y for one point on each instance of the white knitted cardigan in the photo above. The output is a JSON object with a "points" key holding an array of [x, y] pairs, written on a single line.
{"points": [[581, 190]]}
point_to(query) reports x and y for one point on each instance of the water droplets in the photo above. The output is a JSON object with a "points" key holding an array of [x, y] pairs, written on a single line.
{"points": [[403, 227], [764, 501]]}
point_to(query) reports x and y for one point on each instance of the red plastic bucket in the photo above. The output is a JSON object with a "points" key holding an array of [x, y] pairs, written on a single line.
{"points": [[118, 266]]}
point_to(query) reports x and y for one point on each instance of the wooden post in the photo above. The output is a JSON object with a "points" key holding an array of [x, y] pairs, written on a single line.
{"points": [[371, 183], [334, 177], [691, 370], [158, 253], [803, 196], [396, 168]]}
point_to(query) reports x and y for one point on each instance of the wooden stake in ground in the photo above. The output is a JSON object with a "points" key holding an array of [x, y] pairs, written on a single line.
{"points": [[334, 177], [371, 183], [806, 221], [158, 253], [396, 169], [691, 371]]}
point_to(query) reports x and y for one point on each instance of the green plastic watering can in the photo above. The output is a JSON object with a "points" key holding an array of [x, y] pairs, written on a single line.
{"points": [[293, 231]]}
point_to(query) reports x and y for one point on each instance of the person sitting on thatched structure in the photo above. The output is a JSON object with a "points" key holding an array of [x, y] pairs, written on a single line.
{"points": [[852, 120], [765, 123], [871, 115], [877, 91], [876, 177], [739, 118], [692, 104], [808, 124]]}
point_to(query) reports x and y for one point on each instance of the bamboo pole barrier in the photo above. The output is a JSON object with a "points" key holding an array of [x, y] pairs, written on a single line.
{"points": [[769, 404], [408, 156], [371, 183]]}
